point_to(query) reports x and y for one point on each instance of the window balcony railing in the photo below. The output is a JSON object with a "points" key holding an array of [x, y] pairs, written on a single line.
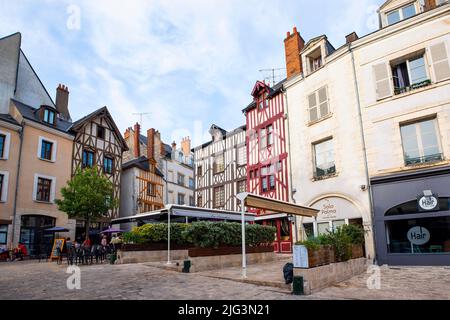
{"points": [[425, 159], [412, 87], [323, 173]]}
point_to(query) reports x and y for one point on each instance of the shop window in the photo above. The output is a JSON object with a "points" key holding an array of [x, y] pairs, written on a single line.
{"points": [[411, 207], [419, 236], [421, 142], [285, 233], [3, 234], [338, 223], [323, 228], [309, 230]]}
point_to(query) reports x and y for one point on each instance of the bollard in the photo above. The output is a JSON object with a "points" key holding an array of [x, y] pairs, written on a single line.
{"points": [[186, 266], [297, 286]]}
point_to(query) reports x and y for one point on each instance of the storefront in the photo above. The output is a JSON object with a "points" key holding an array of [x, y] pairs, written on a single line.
{"points": [[412, 217], [33, 234], [334, 212]]}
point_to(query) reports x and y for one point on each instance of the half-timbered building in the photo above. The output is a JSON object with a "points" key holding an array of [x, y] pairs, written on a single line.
{"points": [[98, 143], [267, 167], [221, 169]]}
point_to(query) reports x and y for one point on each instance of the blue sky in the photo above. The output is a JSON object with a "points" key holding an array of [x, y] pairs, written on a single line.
{"points": [[189, 63]]}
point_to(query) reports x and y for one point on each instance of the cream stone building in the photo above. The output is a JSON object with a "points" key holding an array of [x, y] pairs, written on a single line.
{"points": [[369, 129]]}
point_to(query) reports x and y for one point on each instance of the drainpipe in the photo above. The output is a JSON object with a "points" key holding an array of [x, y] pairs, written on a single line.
{"points": [[290, 161], [366, 164], [21, 130]]}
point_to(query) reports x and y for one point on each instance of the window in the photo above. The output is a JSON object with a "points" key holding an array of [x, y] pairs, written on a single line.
{"points": [[219, 163], [219, 197], [191, 183], [199, 201], [88, 159], [434, 234], [199, 171], [180, 179], [324, 159], [49, 116], [323, 228], [43, 190], [318, 104], [266, 137], [309, 230], [46, 150], [3, 233], [268, 178], [100, 132], [2, 178], [242, 186], [338, 224], [315, 60], [421, 142], [191, 201], [401, 14], [2, 145], [108, 165], [151, 189], [181, 199], [242, 155], [262, 102], [410, 74]]}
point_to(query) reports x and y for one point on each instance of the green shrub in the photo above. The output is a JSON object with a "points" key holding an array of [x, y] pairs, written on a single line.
{"points": [[131, 237], [311, 243], [356, 233]]}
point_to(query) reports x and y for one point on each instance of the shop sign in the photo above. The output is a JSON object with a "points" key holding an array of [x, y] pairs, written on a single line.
{"points": [[418, 235], [300, 257], [428, 203], [329, 210]]}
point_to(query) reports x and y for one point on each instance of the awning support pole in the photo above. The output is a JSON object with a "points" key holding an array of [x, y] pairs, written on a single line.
{"points": [[244, 257]]}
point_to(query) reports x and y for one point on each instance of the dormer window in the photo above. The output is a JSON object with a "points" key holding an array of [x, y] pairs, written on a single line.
{"points": [[262, 101], [315, 60], [401, 14], [49, 116]]}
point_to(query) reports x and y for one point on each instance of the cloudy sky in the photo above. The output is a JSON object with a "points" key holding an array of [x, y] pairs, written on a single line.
{"points": [[189, 63]]}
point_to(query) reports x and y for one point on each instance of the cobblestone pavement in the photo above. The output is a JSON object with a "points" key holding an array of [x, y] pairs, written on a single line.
{"points": [[32, 280]]}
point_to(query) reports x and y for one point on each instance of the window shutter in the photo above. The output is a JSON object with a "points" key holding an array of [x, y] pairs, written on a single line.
{"points": [[382, 81], [440, 62], [323, 101], [313, 116]]}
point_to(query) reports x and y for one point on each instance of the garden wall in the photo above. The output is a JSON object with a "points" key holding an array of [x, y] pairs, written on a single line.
{"points": [[125, 257], [327, 275]]}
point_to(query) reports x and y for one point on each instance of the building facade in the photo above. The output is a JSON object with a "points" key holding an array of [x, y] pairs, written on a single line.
{"points": [[326, 150], [403, 73], [36, 153], [220, 174], [267, 157]]}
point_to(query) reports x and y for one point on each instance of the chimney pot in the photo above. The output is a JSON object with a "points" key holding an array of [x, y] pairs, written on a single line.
{"points": [[351, 37]]}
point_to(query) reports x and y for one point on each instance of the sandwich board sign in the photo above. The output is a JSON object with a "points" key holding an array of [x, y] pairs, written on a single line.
{"points": [[300, 255], [58, 243]]}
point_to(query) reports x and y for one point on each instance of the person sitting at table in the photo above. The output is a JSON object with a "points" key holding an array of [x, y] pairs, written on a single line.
{"points": [[20, 251], [87, 242]]}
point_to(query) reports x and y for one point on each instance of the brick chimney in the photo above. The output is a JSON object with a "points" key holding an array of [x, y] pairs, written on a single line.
{"points": [[186, 146], [62, 102], [151, 145], [136, 147], [430, 5], [293, 45], [351, 37]]}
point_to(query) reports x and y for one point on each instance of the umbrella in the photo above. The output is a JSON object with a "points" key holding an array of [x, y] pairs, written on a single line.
{"points": [[112, 230]]}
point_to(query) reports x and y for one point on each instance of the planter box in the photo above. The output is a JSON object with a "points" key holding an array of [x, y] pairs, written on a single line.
{"points": [[357, 251], [223, 251], [139, 256], [153, 247], [323, 256]]}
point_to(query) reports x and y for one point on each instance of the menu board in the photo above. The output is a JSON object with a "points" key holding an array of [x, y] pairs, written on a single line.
{"points": [[58, 243], [301, 257]]}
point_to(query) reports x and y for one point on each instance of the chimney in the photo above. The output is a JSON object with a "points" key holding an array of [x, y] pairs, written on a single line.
{"points": [[293, 45], [430, 5], [151, 145], [351, 38], [136, 146], [186, 146], [62, 102]]}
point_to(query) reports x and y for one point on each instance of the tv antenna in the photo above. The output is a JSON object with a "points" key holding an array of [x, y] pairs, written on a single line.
{"points": [[275, 75], [141, 115]]}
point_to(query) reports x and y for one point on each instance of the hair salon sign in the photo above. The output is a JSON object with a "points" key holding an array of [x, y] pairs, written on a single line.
{"points": [[428, 203]]}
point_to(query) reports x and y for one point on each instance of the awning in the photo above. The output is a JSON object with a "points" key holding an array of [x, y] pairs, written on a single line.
{"points": [[272, 205]]}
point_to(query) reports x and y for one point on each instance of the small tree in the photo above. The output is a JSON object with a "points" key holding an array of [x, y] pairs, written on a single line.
{"points": [[88, 195]]}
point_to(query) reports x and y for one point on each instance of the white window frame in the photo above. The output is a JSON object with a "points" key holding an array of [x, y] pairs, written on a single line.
{"points": [[400, 11], [7, 145], [52, 188], [408, 68], [244, 150], [5, 185], [54, 149], [416, 124]]}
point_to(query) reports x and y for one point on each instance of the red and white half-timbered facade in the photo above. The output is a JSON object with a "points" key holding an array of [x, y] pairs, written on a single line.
{"points": [[267, 156]]}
